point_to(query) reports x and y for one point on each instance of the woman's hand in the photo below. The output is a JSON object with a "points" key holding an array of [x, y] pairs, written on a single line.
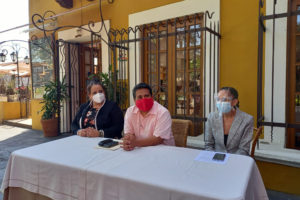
{"points": [[91, 132], [88, 132], [82, 133], [129, 142]]}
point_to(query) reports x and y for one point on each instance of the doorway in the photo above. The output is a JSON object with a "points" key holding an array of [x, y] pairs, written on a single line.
{"points": [[90, 63]]}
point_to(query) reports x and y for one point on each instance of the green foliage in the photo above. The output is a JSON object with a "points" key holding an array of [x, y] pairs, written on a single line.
{"points": [[107, 79], [52, 98], [10, 91]]}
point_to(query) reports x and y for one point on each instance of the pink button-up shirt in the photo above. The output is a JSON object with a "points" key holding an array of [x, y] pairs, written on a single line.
{"points": [[157, 123]]}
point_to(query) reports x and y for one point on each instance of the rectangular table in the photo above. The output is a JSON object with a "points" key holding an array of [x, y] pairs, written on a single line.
{"points": [[73, 168]]}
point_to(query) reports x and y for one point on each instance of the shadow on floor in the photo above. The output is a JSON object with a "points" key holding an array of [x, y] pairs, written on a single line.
{"points": [[14, 138]]}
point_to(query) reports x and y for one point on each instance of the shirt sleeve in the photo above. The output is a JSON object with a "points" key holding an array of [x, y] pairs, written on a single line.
{"points": [[163, 128], [244, 146], [128, 127]]}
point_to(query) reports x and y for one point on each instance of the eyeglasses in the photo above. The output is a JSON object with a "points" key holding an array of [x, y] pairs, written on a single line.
{"points": [[223, 99]]}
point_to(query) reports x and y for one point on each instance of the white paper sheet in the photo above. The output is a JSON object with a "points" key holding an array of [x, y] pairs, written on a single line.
{"points": [[207, 156]]}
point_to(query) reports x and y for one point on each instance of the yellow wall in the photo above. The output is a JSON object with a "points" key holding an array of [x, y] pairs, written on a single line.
{"points": [[280, 177], [117, 12], [238, 50], [36, 115], [1, 112], [11, 110]]}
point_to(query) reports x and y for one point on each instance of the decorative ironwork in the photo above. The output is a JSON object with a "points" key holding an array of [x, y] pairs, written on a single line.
{"points": [[64, 66], [131, 42], [125, 48], [65, 3]]}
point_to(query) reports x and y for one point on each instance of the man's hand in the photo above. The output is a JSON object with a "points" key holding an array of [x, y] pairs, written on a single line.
{"points": [[129, 142]]}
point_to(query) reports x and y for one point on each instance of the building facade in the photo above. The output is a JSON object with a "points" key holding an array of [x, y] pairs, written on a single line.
{"points": [[186, 50]]}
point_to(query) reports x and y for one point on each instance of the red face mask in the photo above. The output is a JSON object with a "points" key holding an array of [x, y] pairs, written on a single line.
{"points": [[144, 104]]}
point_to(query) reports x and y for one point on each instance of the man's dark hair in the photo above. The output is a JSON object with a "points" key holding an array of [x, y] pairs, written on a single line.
{"points": [[233, 92], [141, 86]]}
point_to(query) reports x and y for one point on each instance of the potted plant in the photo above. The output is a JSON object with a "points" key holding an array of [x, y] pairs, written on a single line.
{"points": [[10, 94], [55, 93]]}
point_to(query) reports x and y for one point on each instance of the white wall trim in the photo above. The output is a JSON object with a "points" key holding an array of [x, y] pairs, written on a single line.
{"points": [[69, 35]]}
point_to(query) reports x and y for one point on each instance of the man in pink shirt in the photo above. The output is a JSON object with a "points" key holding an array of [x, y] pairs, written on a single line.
{"points": [[147, 123]]}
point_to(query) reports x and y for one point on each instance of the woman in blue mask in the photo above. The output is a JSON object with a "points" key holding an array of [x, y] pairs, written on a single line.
{"points": [[98, 117], [228, 129]]}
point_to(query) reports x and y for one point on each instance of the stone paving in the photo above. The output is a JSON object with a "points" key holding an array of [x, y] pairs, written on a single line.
{"points": [[14, 138]]}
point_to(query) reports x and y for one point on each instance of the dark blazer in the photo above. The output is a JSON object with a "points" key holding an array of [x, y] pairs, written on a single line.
{"points": [[239, 137], [110, 119]]}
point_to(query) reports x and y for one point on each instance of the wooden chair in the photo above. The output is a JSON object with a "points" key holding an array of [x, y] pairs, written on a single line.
{"points": [[180, 129], [258, 132]]}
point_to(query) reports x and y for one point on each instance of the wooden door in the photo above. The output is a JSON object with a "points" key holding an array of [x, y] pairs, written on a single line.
{"points": [[90, 63]]}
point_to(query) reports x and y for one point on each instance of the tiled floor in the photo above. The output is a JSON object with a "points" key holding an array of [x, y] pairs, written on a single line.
{"points": [[13, 138]]}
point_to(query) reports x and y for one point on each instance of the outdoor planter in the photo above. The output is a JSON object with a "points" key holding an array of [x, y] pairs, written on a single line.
{"points": [[50, 127]]}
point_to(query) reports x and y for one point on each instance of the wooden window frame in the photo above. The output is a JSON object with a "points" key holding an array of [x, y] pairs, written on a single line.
{"points": [[291, 74], [87, 47], [171, 27]]}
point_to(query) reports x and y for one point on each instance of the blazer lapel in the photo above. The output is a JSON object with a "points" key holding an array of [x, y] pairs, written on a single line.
{"points": [[234, 127], [220, 133]]}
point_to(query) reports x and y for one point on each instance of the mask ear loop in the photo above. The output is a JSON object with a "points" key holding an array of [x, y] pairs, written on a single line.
{"points": [[236, 106]]}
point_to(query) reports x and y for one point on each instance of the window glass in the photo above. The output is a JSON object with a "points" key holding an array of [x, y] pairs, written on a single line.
{"points": [[41, 65]]}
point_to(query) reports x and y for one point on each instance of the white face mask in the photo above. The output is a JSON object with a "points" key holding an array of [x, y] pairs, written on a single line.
{"points": [[98, 98]]}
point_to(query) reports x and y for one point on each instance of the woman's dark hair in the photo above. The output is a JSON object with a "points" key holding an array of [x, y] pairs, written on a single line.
{"points": [[141, 86], [95, 82], [234, 93]]}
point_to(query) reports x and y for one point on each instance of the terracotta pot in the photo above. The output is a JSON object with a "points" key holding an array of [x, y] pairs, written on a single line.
{"points": [[50, 127]]}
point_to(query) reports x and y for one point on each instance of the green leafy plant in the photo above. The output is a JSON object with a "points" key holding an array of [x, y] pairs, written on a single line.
{"points": [[10, 91], [121, 87], [55, 92]]}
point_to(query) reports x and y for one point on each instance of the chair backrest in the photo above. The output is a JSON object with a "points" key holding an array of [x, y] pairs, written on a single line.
{"points": [[258, 132], [180, 129]]}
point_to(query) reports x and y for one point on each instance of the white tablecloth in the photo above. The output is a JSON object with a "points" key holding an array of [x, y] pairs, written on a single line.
{"points": [[72, 168]]}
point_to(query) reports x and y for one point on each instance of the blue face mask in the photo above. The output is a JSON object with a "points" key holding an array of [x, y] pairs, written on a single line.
{"points": [[223, 107]]}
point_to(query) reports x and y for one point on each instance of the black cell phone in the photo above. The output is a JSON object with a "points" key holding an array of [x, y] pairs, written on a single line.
{"points": [[107, 143], [219, 156]]}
